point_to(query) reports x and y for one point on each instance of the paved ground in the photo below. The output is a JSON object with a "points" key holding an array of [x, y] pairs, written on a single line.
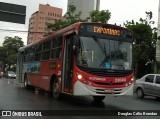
{"points": [[14, 97]]}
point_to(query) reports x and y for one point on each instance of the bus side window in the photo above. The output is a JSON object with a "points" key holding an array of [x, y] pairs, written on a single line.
{"points": [[58, 52], [56, 48], [38, 50], [25, 58], [46, 50], [46, 55], [47, 45], [31, 57], [26, 55], [31, 53], [37, 56]]}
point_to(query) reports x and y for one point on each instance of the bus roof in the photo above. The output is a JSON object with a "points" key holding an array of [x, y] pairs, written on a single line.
{"points": [[68, 28], [22, 48], [74, 26], [71, 27]]}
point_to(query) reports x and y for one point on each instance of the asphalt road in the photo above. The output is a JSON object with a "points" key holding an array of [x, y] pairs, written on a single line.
{"points": [[14, 97]]}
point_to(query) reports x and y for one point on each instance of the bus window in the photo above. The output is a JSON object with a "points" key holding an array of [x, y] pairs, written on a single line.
{"points": [[57, 42], [46, 55], [39, 48], [46, 50], [56, 48], [37, 56], [31, 57], [47, 45], [54, 43], [56, 53]]}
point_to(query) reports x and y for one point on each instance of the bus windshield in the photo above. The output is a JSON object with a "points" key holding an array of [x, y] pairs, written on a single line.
{"points": [[104, 53]]}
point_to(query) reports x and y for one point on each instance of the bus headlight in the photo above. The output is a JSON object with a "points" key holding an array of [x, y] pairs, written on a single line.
{"points": [[130, 82], [79, 76]]}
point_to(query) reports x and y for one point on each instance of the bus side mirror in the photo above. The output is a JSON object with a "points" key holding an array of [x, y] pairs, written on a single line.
{"points": [[74, 48], [76, 43]]}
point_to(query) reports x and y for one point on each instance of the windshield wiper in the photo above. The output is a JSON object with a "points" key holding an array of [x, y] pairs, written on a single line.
{"points": [[100, 45], [103, 48]]}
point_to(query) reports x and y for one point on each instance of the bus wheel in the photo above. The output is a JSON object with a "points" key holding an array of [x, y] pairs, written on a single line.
{"points": [[25, 81], [98, 98], [55, 89]]}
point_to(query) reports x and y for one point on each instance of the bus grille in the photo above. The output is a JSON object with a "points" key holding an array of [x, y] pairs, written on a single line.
{"points": [[108, 84], [105, 91]]}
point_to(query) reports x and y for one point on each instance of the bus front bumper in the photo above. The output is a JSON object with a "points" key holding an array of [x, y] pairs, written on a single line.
{"points": [[81, 89]]}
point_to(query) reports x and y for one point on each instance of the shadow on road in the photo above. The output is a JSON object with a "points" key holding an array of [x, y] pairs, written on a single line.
{"points": [[147, 99]]}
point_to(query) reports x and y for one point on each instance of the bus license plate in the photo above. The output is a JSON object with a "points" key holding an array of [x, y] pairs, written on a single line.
{"points": [[109, 91]]}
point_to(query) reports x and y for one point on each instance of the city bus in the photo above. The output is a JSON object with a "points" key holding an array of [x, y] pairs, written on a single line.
{"points": [[83, 59]]}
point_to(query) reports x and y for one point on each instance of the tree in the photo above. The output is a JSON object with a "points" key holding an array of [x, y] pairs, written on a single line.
{"points": [[100, 16], [9, 50], [58, 25], [144, 45], [70, 18], [13, 44]]}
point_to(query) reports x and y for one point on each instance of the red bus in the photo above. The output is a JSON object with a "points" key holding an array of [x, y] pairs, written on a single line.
{"points": [[82, 59]]}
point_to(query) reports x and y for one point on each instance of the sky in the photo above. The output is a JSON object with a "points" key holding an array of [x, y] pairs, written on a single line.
{"points": [[121, 11]]}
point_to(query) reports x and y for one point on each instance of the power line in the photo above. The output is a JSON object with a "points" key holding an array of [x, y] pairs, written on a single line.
{"points": [[9, 30]]}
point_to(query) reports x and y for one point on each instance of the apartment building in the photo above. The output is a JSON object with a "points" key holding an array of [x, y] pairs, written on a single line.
{"points": [[84, 6], [40, 19]]}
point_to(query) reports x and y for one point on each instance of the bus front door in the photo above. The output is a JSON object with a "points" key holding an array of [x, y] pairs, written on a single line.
{"points": [[68, 65]]}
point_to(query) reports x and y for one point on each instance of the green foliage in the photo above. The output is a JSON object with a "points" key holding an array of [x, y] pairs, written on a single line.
{"points": [[100, 16], [58, 25], [71, 17], [13, 44], [144, 44], [9, 50]]}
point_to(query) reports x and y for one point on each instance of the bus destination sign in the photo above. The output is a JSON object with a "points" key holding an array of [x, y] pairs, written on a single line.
{"points": [[107, 31]]}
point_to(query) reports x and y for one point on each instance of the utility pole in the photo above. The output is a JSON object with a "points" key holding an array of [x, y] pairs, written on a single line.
{"points": [[157, 69]]}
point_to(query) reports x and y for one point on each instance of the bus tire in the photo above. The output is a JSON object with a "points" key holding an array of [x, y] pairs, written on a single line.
{"points": [[26, 82], [55, 89], [98, 98]]}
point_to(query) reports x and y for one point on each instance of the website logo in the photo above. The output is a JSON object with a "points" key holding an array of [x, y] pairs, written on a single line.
{"points": [[6, 113]]}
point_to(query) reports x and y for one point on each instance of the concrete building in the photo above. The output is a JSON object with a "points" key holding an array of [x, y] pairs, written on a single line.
{"points": [[39, 20], [84, 6]]}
